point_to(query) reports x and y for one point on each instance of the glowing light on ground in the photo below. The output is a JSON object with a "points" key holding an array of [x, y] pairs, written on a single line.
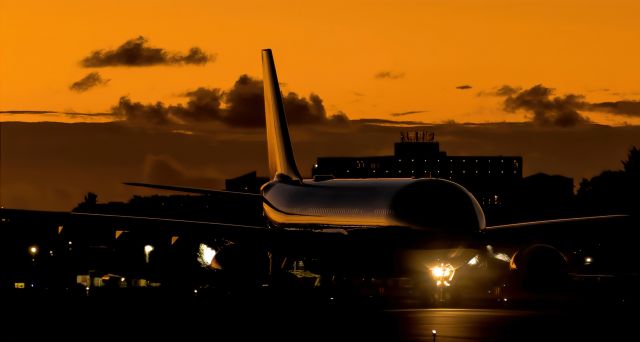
{"points": [[205, 255]]}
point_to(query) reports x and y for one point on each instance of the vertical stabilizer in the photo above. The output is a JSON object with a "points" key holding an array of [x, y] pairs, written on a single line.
{"points": [[281, 161]]}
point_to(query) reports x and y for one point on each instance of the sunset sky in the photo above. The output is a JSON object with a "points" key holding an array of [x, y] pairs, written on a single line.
{"points": [[554, 81], [435, 60]]}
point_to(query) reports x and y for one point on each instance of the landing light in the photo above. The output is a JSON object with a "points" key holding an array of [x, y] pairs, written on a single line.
{"points": [[588, 260], [443, 274], [473, 261], [147, 250], [502, 257], [206, 255]]}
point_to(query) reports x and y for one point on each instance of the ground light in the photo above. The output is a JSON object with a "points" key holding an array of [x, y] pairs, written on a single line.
{"points": [[147, 250], [33, 250]]}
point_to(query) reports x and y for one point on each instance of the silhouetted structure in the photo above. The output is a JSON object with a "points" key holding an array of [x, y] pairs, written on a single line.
{"points": [[418, 155], [249, 182]]}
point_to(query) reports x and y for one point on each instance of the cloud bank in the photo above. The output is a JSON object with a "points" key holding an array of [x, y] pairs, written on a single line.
{"points": [[137, 53], [240, 106]]}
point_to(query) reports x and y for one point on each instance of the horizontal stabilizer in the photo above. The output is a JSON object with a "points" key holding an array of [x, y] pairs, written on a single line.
{"points": [[200, 191]]}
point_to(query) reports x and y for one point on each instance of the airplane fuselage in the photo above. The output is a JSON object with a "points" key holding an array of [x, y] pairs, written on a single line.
{"points": [[425, 204]]}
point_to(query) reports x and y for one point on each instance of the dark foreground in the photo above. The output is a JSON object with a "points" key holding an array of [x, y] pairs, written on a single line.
{"points": [[277, 318]]}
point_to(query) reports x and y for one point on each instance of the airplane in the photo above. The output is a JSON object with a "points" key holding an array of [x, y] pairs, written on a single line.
{"points": [[434, 223]]}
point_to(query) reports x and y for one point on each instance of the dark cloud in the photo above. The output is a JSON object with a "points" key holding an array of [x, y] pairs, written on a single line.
{"points": [[245, 103], [411, 112], [385, 122], [464, 87], [561, 111], [240, 106], [339, 118], [505, 90], [139, 113], [92, 79], [389, 75], [245, 106], [203, 105], [136, 52], [624, 107], [27, 112], [24, 112]]}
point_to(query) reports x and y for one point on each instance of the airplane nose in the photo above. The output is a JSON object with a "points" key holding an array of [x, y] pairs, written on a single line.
{"points": [[438, 205]]}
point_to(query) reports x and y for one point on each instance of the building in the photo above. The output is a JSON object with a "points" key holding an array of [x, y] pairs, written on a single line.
{"points": [[418, 155], [249, 182]]}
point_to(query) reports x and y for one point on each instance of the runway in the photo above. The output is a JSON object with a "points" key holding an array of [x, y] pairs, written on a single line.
{"points": [[504, 325], [159, 319]]}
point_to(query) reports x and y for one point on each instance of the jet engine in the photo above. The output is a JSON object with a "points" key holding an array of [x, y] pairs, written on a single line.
{"points": [[540, 268]]}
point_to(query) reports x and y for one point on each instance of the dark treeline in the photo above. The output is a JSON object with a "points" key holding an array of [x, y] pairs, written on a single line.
{"points": [[543, 196]]}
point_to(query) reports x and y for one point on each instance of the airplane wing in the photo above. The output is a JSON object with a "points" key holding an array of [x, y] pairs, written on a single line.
{"points": [[588, 245], [83, 221], [559, 231], [555, 222]]}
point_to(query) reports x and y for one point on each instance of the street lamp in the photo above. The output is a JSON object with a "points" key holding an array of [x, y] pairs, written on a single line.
{"points": [[33, 250], [147, 250]]}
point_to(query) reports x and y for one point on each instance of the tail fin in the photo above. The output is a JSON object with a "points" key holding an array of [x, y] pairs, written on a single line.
{"points": [[281, 161]]}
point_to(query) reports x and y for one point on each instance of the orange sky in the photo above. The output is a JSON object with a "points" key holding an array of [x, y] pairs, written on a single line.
{"points": [[332, 48]]}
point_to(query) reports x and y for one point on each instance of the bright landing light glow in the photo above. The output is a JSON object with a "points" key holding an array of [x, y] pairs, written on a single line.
{"points": [[443, 274], [473, 261], [206, 255]]}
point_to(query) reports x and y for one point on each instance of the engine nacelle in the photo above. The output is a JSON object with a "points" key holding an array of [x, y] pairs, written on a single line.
{"points": [[541, 268]]}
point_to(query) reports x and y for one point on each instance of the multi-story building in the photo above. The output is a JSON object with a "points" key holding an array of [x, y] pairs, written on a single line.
{"points": [[418, 155]]}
